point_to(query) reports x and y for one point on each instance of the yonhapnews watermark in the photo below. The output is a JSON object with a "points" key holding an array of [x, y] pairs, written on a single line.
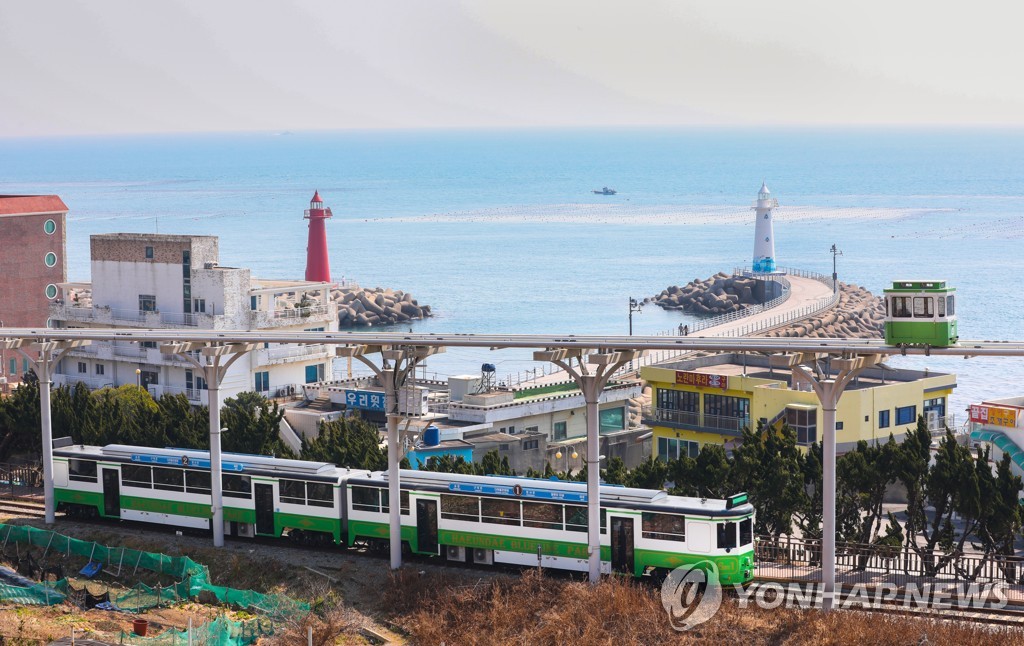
{"points": [[691, 595]]}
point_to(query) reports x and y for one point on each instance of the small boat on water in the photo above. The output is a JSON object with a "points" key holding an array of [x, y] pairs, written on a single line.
{"points": [[605, 191]]}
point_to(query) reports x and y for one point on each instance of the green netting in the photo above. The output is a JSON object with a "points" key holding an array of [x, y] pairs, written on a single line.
{"points": [[219, 632], [193, 578]]}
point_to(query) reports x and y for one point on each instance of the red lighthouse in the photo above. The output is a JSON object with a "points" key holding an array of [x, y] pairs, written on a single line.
{"points": [[318, 268]]}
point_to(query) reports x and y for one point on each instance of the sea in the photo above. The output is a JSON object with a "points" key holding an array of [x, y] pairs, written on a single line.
{"points": [[500, 231]]}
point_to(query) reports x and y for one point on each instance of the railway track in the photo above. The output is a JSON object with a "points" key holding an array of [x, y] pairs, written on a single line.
{"points": [[22, 508], [1012, 615]]}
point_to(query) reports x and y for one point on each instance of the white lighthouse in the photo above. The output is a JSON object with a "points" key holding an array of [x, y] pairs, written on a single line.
{"points": [[764, 237]]}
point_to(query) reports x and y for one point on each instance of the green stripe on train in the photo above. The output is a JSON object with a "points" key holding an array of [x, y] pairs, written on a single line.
{"points": [[83, 498], [369, 529], [330, 526]]}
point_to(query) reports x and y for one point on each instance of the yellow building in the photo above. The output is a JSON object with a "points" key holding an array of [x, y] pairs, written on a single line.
{"points": [[711, 399]]}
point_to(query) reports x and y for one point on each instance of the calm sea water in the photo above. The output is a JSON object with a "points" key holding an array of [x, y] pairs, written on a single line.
{"points": [[438, 214]]}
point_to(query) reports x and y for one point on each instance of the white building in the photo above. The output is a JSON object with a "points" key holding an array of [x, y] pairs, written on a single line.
{"points": [[152, 281]]}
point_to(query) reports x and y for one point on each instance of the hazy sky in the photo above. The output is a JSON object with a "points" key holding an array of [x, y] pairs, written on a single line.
{"points": [[112, 66]]}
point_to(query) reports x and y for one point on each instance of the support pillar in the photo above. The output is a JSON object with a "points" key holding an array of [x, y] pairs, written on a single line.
{"points": [[216, 467], [394, 486], [591, 375]]}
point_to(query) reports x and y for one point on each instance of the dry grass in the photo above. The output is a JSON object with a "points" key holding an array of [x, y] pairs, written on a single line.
{"points": [[532, 609]]}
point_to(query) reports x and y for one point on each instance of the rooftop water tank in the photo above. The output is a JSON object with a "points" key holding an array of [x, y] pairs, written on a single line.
{"points": [[487, 367], [431, 436]]}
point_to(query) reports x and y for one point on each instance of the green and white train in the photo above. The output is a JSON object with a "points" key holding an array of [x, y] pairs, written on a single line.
{"points": [[920, 312], [474, 519]]}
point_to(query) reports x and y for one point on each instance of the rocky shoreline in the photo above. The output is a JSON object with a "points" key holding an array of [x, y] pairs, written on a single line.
{"points": [[859, 314], [720, 294], [363, 307]]}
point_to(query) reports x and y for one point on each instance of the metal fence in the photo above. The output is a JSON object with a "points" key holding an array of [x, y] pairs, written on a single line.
{"points": [[20, 479], [796, 559]]}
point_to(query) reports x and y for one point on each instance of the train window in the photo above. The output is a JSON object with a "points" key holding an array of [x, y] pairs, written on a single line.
{"points": [[726, 536], [197, 481], [901, 307], [386, 508], [320, 494], [133, 475], [949, 306], [366, 499], [941, 302], [460, 508], [542, 515], [82, 470], [746, 531], [498, 510], [923, 307], [292, 491], [237, 486], [665, 527], [575, 518], [168, 479]]}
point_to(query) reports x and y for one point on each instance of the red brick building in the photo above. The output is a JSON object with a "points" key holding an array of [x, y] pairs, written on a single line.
{"points": [[33, 234]]}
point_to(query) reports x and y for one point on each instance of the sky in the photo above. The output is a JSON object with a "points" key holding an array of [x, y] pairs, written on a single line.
{"points": [[78, 67]]}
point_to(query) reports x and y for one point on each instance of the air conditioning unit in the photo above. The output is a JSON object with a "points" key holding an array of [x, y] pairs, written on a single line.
{"points": [[483, 556], [455, 553]]}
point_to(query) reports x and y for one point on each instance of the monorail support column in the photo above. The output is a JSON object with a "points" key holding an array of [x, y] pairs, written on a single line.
{"points": [[48, 355], [591, 375], [399, 362], [829, 388], [217, 359]]}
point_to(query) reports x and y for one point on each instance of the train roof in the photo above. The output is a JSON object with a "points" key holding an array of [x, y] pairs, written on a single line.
{"points": [[919, 286], [231, 462], [559, 490]]}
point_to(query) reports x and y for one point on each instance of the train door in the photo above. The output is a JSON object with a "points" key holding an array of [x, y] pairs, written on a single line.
{"points": [[622, 544], [112, 493], [264, 509], [426, 525]]}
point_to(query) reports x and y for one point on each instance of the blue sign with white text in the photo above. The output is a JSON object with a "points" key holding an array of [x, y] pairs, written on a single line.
{"points": [[364, 400], [525, 492]]}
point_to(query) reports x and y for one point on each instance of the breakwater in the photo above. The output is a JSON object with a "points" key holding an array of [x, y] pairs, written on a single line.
{"points": [[365, 307], [858, 314], [720, 294]]}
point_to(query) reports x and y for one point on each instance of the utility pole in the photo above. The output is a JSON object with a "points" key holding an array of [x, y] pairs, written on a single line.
{"points": [[835, 282]]}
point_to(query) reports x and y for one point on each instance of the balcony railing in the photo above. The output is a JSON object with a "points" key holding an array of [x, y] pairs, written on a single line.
{"points": [[300, 312], [93, 383], [291, 352], [697, 421]]}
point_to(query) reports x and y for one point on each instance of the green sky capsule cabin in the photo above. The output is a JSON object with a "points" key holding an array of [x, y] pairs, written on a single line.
{"points": [[920, 312]]}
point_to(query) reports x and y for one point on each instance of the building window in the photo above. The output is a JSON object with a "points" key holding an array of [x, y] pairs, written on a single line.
{"points": [[254, 303], [199, 305], [725, 406], [147, 303], [906, 414], [682, 400], [805, 423], [315, 373], [100, 369], [149, 253], [14, 366], [938, 405], [51, 291], [262, 381], [612, 419], [670, 448], [49, 227], [839, 426], [149, 378], [50, 259], [883, 419], [24, 365], [530, 445], [148, 344], [82, 368], [560, 430]]}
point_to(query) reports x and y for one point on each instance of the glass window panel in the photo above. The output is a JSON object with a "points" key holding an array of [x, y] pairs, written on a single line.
{"points": [[500, 510], [366, 499], [665, 527], [292, 491], [197, 481], [460, 507], [726, 535], [82, 470], [237, 486], [133, 475], [746, 531], [320, 494], [542, 515], [576, 518], [168, 479], [385, 507]]}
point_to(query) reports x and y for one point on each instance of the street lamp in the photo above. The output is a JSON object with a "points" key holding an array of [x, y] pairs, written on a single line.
{"points": [[634, 306], [558, 456], [138, 377], [835, 252]]}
